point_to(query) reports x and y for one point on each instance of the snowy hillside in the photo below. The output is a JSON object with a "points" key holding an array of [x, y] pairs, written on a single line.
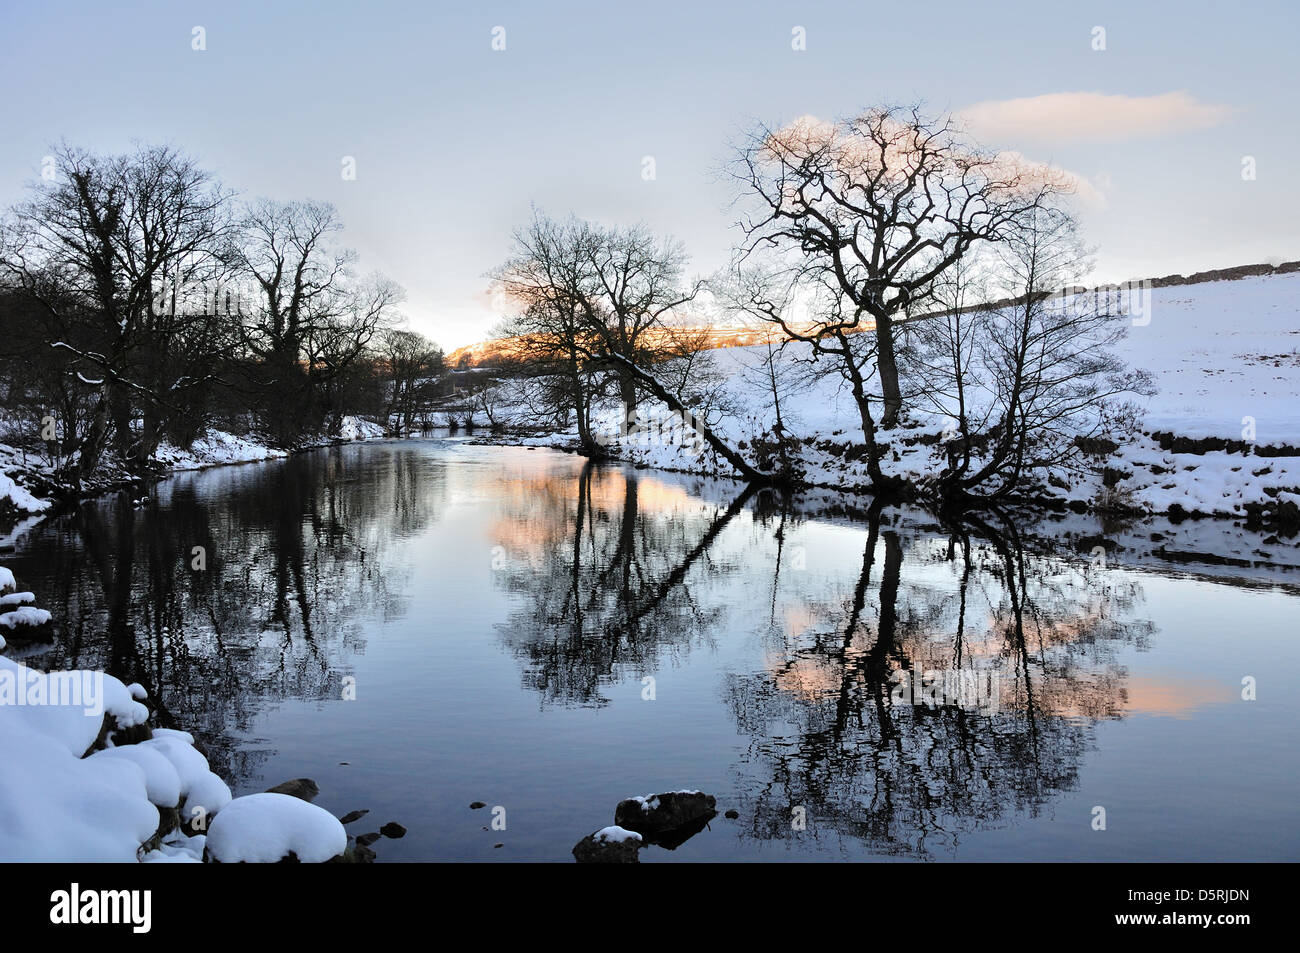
{"points": [[1224, 356]]}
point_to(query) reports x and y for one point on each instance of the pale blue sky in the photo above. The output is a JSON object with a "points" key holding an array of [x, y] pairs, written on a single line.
{"points": [[453, 140]]}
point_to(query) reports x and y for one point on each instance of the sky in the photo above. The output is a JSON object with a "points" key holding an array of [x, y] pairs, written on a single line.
{"points": [[454, 140]]}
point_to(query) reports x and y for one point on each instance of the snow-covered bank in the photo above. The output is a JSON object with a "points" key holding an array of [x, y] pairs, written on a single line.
{"points": [[216, 448], [21, 506], [1221, 434], [87, 779]]}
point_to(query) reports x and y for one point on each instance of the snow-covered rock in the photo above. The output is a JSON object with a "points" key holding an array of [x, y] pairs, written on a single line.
{"points": [[609, 845], [62, 801], [162, 781], [24, 617], [56, 805], [267, 828], [59, 807], [202, 793]]}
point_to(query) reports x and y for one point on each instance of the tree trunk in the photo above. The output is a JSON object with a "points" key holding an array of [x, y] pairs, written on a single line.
{"points": [[627, 394], [652, 384], [881, 483], [590, 446], [888, 367]]}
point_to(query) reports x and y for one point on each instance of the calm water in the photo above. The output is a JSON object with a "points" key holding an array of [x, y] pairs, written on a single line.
{"points": [[550, 637]]}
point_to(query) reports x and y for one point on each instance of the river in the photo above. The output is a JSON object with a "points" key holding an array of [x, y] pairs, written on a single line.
{"points": [[418, 625]]}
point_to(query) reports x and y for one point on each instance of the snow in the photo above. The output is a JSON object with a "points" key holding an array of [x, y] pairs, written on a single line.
{"points": [[24, 616], [66, 706], [176, 848], [60, 801], [264, 828], [1222, 351], [200, 789], [6, 579], [16, 598], [20, 497], [355, 428], [615, 835], [59, 806], [162, 782], [215, 448], [1219, 353]]}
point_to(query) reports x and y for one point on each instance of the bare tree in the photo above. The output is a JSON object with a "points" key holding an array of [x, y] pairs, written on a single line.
{"points": [[116, 245], [410, 361], [313, 318], [1055, 382], [878, 206], [805, 307], [598, 300], [947, 376], [550, 331], [630, 284]]}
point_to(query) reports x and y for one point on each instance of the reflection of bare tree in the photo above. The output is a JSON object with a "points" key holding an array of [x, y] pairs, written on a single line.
{"points": [[618, 592], [296, 557], [830, 729], [831, 734]]}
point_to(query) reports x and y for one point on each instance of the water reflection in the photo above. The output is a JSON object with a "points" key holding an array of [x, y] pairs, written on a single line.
{"points": [[294, 558], [956, 681], [607, 582], [838, 728], [834, 650]]}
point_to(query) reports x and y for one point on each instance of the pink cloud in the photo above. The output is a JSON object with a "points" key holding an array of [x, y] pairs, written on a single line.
{"points": [[1096, 117]]}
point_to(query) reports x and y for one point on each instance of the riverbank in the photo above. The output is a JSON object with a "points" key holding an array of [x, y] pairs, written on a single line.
{"points": [[89, 779], [29, 491], [1220, 436]]}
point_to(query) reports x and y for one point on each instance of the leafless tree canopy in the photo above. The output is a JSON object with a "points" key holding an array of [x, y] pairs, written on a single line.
{"points": [[877, 207]]}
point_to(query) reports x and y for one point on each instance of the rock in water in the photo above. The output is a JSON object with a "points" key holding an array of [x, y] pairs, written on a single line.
{"points": [[610, 845], [657, 814], [305, 789]]}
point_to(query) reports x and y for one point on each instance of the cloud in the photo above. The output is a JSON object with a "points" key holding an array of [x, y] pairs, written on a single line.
{"points": [[1033, 172], [1090, 117], [861, 155]]}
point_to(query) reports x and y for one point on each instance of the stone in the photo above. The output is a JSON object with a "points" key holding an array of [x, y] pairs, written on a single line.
{"points": [[611, 845], [304, 789], [658, 814]]}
